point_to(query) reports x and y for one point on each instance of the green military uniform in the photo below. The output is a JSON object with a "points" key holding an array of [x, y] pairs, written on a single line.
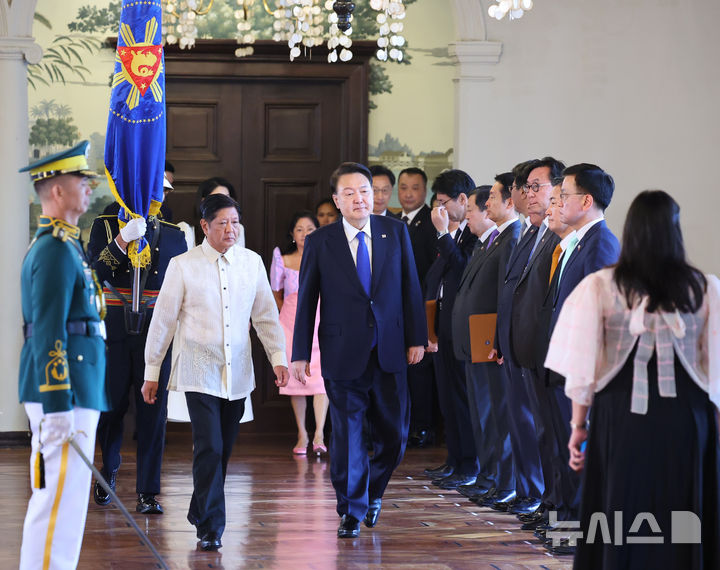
{"points": [[62, 368], [63, 360]]}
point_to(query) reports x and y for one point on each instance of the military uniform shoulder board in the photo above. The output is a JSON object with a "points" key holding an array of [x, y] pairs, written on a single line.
{"points": [[164, 223]]}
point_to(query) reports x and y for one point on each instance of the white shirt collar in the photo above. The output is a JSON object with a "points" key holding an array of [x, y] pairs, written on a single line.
{"points": [[351, 231], [213, 254], [502, 227], [583, 230], [461, 228], [487, 233], [412, 214], [566, 240]]}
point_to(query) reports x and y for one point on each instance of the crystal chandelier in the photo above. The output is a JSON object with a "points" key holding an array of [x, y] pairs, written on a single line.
{"points": [[513, 8], [303, 24]]}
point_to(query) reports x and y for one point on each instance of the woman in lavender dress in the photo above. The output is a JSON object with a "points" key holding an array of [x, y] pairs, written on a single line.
{"points": [[284, 274]]}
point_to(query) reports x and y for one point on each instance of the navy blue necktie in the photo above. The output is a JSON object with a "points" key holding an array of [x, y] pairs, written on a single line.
{"points": [[363, 263]]}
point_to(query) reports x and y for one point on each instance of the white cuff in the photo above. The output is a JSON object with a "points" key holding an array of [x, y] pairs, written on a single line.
{"points": [[279, 359], [152, 373]]}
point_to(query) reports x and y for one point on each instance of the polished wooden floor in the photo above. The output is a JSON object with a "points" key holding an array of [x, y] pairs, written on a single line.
{"points": [[281, 514]]}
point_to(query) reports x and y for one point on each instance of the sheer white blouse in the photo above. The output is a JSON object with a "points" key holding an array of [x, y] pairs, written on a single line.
{"points": [[596, 332]]}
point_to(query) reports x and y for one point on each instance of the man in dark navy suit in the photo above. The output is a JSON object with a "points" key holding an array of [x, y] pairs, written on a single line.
{"points": [[412, 193], [478, 294], [528, 297], [586, 192], [523, 438], [452, 188], [107, 250], [372, 325]]}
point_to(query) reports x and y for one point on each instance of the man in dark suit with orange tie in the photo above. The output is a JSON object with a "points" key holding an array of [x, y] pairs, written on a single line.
{"points": [[372, 325]]}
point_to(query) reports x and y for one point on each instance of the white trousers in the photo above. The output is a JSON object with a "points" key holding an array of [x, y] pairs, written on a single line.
{"points": [[55, 519]]}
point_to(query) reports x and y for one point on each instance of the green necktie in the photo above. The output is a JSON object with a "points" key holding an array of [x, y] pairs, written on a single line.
{"points": [[567, 254]]}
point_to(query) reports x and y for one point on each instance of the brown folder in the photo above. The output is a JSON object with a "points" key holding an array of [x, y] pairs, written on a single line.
{"points": [[482, 336], [430, 312]]}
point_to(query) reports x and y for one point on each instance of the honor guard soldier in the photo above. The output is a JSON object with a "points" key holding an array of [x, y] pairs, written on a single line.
{"points": [[62, 366], [126, 335]]}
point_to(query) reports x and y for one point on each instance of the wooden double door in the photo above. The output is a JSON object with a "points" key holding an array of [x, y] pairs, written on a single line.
{"points": [[276, 130]]}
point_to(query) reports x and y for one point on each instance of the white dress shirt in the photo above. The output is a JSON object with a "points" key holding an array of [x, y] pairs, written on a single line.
{"points": [[583, 230], [351, 233], [506, 224], [487, 232], [411, 215], [204, 307]]}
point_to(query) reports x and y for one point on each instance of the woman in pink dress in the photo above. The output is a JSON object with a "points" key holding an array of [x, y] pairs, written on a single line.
{"points": [[284, 275]]}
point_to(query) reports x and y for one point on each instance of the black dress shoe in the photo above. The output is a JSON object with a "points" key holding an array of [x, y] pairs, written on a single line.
{"points": [[210, 541], [564, 548], [454, 481], [373, 512], [525, 506], [147, 505], [443, 471], [477, 489], [420, 438], [100, 496], [504, 500], [349, 527], [487, 499], [532, 525], [539, 513]]}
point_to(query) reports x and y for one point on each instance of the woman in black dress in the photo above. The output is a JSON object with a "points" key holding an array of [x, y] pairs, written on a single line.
{"points": [[640, 343]]}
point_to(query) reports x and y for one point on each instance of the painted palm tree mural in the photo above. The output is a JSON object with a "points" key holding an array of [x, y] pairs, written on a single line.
{"points": [[69, 88], [63, 58], [52, 129]]}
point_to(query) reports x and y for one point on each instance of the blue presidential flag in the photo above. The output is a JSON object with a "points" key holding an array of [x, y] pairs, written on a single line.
{"points": [[135, 140]]}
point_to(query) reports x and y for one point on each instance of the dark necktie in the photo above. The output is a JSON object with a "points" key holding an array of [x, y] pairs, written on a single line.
{"points": [[405, 219], [363, 263], [495, 233]]}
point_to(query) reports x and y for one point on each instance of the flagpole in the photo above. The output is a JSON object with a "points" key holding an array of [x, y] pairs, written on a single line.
{"points": [[136, 290]]}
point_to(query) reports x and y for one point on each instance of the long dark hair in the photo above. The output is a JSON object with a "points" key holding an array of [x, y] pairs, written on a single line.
{"points": [[290, 245], [652, 261]]}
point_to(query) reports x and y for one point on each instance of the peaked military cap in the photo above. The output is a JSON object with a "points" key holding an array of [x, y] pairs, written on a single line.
{"points": [[63, 162]]}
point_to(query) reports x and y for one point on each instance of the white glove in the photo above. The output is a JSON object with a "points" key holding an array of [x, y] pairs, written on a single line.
{"points": [[56, 427], [133, 230]]}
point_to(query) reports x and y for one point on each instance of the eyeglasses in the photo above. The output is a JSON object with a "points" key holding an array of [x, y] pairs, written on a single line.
{"points": [[443, 202], [535, 186], [564, 196]]}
